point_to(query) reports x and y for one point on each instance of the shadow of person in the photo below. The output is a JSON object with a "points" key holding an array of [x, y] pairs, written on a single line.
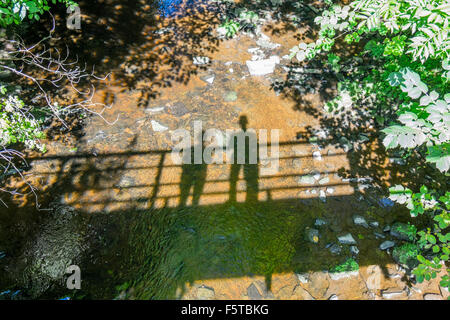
{"points": [[193, 173], [244, 146]]}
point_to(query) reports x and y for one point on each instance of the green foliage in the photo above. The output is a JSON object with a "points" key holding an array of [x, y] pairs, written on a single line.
{"points": [[17, 123], [15, 11], [406, 254], [230, 27], [407, 88], [348, 265]]}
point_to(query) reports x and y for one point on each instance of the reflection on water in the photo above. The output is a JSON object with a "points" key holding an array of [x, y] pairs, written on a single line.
{"points": [[168, 8]]}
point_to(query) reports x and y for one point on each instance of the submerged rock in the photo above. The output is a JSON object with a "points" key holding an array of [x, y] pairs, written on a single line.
{"points": [[347, 239], [262, 67], [312, 235], [354, 250], [208, 78], [335, 248], [230, 96], [360, 221], [158, 127], [205, 293], [253, 292], [387, 244], [319, 222]]}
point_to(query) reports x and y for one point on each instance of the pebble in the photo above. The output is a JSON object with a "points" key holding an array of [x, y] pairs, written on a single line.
{"points": [[262, 67], [230, 96], [154, 110], [324, 180], [303, 277], [333, 297], [205, 293], [158, 127], [360, 221], [335, 248], [322, 196], [308, 179], [392, 294], [317, 156], [379, 235], [312, 235], [319, 222], [253, 292], [387, 244], [354, 250], [347, 239], [432, 296], [209, 78]]}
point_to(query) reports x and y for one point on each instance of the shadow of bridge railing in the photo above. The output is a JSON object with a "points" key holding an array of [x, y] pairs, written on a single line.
{"points": [[151, 179]]}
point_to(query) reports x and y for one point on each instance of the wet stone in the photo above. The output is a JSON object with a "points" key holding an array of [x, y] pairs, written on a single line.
{"points": [[354, 250], [154, 110], [312, 235], [158, 127], [320, 222], [360, 221], [126, 182], [308, 179], [387, 244], [346, 239], [253, 292], [230, 96], [205, 293], [335, 248], [303, 277], [178, 109], [324, 180], [208, 78], [432, 296]]}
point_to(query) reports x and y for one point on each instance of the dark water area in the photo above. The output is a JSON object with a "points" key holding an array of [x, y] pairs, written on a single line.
{"points": [[172, 8]]}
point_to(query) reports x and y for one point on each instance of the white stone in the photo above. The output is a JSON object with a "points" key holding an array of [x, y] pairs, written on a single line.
{"points": [[342, 275], [156, 126], [262, 67], [324, 180], [347, 239], [154, 110], [317, 156], [303, 277], [391, 295]]}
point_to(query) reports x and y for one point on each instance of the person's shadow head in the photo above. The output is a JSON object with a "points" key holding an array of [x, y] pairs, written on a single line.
{"points": [[243, 122]]}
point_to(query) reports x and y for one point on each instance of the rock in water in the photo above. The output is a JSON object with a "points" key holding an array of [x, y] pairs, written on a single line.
{"points": [[360, 221], [157, 127], [312, 235], [386, 245], [262, 67], [253, 292], [230, 96], [205, 293], [347, 239]]}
